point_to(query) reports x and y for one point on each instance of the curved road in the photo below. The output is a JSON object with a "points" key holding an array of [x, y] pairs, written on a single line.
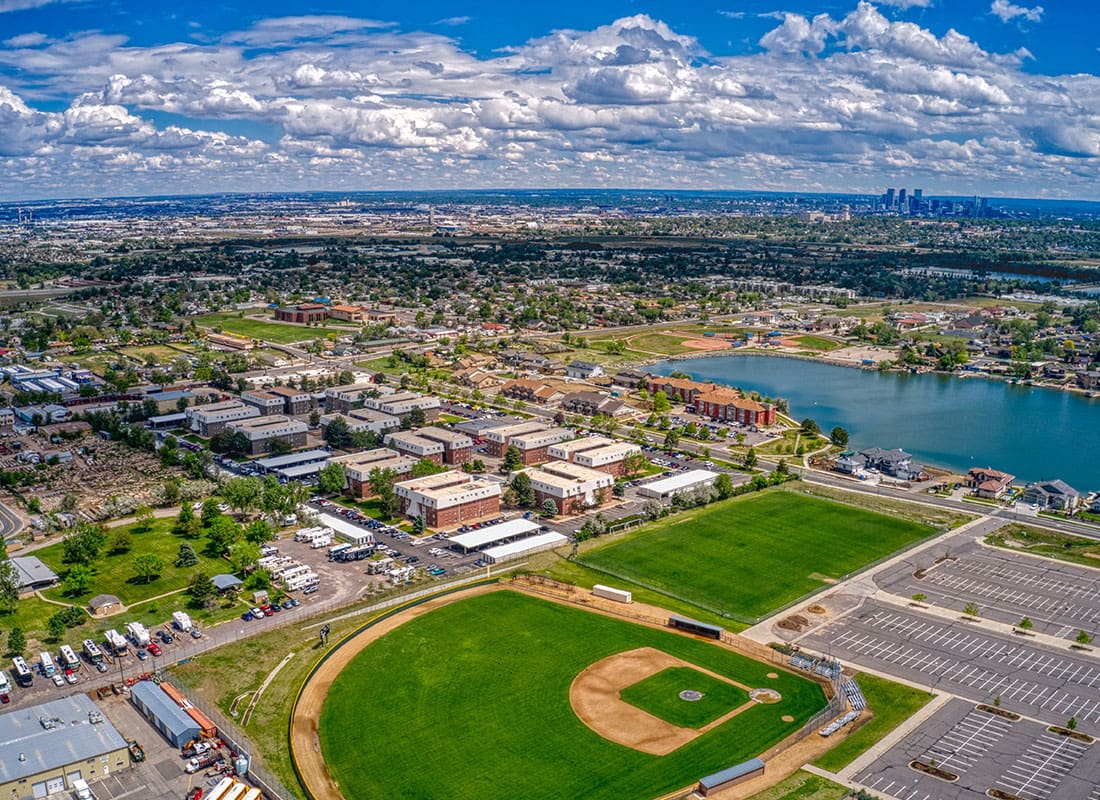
{"points": [[10, 523]]}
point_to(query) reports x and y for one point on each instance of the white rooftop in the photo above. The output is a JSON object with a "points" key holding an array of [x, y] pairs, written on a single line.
{"points": [[684, 480], [494, 533], [531, 543]]}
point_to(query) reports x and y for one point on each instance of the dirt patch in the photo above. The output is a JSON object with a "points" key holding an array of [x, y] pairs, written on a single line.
{"points": [[706, 344], [768, 696], [816, 609], [795, 622], [787, 718], [773, 675], [594, 696]]}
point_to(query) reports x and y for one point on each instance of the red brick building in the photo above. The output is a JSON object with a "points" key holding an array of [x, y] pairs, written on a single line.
{"points": [[302, 313], [448, 499], [727, 405]]}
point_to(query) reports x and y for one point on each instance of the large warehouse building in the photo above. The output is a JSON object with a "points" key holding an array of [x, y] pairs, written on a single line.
{"points": [[175, 724], [44, 748]]}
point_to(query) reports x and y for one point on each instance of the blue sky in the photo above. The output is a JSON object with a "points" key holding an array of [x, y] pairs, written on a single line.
{"points": [[106, 97]]}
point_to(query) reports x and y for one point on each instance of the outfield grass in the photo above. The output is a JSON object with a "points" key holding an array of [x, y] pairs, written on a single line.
{"points": [[892, 704], [663, 343], [728, 557], [472, 701], [268, 331], [816, 343], [659, 695]]}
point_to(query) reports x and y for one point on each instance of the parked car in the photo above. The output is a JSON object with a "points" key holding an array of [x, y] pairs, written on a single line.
{"points": [[154, 648], [247, 616], [196, 633], [58, 681], [70, 678], [142, 654], [165, 637]]}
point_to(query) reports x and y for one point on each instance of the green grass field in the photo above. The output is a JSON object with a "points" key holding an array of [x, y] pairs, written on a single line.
{"points": [[803, 786], [659, 695], [817, 343], [268, 331], [892, 704], [472, 701], [114, 573], [746, 557]]}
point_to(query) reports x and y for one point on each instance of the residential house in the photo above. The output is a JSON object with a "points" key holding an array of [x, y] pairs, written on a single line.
{"points": [[531, 391], [850, 463], [989, 483], [1089, 379], [584, 370], [896, 463], [1053, 494]]}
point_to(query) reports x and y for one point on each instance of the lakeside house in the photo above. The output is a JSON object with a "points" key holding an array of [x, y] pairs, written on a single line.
{"points": [[1054, 494], [895, 463], [989, 483]]}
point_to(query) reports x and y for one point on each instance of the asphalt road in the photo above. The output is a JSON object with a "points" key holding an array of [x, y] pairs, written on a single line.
{"points": [[10, 523]]}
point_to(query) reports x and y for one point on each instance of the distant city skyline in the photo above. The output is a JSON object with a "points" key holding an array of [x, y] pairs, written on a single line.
{"points": [[975, 97]]}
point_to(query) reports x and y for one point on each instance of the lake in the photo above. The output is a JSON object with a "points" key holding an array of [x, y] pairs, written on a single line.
{"points": [[943, 421]]}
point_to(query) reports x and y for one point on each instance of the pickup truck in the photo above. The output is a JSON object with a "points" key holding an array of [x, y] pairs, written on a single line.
{"points": [[203, 761]]}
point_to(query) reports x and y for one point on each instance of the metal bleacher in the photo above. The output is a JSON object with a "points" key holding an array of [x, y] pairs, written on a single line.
{"points": [[854, 694]]}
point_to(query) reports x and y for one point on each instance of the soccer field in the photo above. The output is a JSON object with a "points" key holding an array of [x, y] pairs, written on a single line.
{"points": [[745, 557], [472, 701]]}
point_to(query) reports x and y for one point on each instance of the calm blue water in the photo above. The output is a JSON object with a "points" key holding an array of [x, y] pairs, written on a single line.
{"points": [[943, 421]]}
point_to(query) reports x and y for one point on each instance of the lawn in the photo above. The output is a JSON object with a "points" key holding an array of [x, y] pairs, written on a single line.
{"points": [[660, 343], [259, 329], [495, 697], [114, 573], [1049, 544], [803, 786], [892, 704], [728, 557], [817, 343], [659, 695]]}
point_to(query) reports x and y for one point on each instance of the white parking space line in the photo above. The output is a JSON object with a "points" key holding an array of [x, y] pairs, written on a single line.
{"points": [[1037, 771]]}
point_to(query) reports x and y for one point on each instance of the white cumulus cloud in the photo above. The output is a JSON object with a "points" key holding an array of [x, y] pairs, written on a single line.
{"points": [[1008, 11]]}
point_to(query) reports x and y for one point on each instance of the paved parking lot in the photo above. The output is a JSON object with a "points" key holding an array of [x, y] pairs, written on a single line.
{"points": [[1059, 598], [960, 658], [1020, 758]]}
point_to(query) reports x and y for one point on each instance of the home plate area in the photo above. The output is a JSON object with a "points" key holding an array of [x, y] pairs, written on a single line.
{"points": [[651, 701]]}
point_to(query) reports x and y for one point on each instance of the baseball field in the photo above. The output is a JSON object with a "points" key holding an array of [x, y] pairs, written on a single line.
{"points": [[746, 557], [499, 695]]}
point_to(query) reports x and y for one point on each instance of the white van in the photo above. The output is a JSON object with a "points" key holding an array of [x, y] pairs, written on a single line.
{"points": [[80, 787]]}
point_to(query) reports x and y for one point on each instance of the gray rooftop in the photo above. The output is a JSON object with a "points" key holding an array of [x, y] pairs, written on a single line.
{"points": [[732, 773], [475, 426], [226, 581], [72, 737], [32, 571], [164, 708], [290, 459]]}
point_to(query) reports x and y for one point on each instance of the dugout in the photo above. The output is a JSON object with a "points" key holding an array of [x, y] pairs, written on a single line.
{"points": [[694, 626], [745, 771]]}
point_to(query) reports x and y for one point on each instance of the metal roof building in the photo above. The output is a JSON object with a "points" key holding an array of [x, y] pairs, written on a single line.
{"points": [[347, 531], [505, 531], [173, 722], [33, 574], [682, 482], [44, 748], [740, 773], [292, 460], [524, 547]]}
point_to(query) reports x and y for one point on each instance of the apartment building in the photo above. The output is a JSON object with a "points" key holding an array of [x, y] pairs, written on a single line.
{"points": [[212, 418], [359, 466], [571, 487], [263, 432], [449, 498]]}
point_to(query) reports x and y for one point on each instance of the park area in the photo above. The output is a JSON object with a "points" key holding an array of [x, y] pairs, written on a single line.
{"points": [[488, 679], [742, 559], [269, 331]]}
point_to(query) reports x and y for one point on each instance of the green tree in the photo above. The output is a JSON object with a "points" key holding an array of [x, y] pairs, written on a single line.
{"points": [[661, 404], [634, 464], [381, 485], [242, 493], [147, 566], [337, 433], [186, 555], [243, 554], [809, 427], [1083, 639], [972, 610], [549, 508], [257, 532], [920, 597], [525, 492], [185, 521], [17, 642], [223, 532], [418, 525], [55, 627], [121, 541], [10, 585], [77, 580], [332, 478], [1025, 624], [750, 459], [210, 511], [425, 466], [201, 589], [83, 544], [314, 418], [1071, 723], [672, 440], [513, 459], [723, 484], [839, 436]]}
